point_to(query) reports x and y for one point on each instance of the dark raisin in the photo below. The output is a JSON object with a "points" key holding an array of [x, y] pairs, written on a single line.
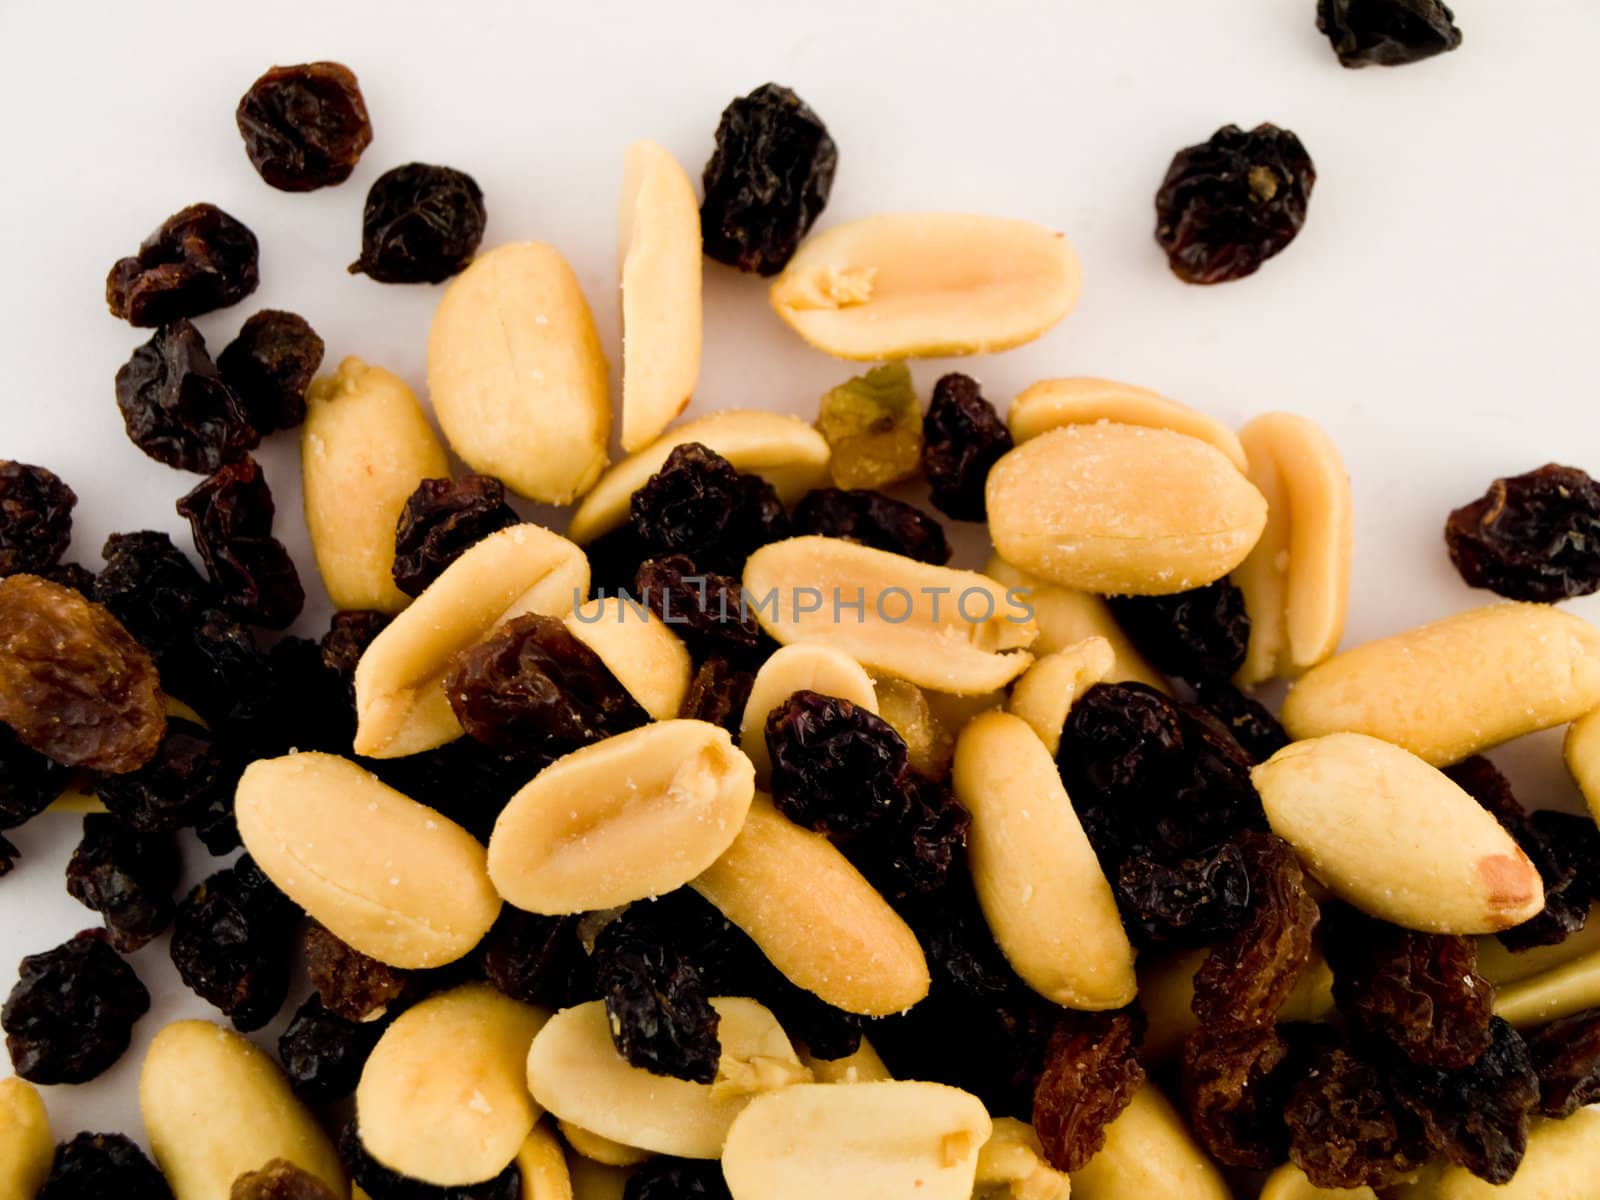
{"points": [[705, 609], [1229, 204], [962, 437], [660, 1013], [421, 224], [28, 781], [1531, 537], [175, 405], [349, 634], [74, 685], [836, 768], [8, 856], [697, 504], [1234, 1109], [1346, 1129], [72, 1011], [1387, 33], [921, 845], [153, 589], [96, 1166], [537, 959], [1121, 741], [198, 259], [232, 941], [1190, 902], [219, 669], [873, 519], [72, 575], [187, 775], [127, 877], [767, 180], [352, 984], [718, 694], [269, 366], [441, 521], [614, 559], [322, 1053], [304, 127], [1566, 1055], [1250, 722], [464, 780], [230, 515], [305, 706], [1487, 784], [1195, 635], [35, 518], [677, 1179], [380, 1183], [1090, 1074], [280, 1179]]}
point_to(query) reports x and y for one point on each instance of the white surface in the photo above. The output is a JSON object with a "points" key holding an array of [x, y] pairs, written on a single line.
{"points": [[1436, 315]]}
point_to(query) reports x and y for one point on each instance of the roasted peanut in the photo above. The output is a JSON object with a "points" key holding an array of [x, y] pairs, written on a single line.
{"points": [[443, 1097], [1448, 689], [639, 649], [542, 1163], [1045, 693], [216, 1107], [26, 1147], [600, 1149], [1553, 994], [805, 666], [658, 249], [910, 713], [1166, 990], [1562, 1163], [400, 702], [1289, 1182], [1582, 752], [815, 917], [864, 1066], [596, 1181], [1052, 403], [1149, 1153], [1501, 966], [516, 373], [1011, 1166], [635, 815], [865, 1141], [1396, 838], [954, 631], [393, 878], [927, 285]]}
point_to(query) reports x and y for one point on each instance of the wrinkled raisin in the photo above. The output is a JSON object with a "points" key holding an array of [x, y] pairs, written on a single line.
{"points": [[1566, 1055], [1346, 1129], [697, 504], [836, 768], [873, 425], [464, 780], [441, 521], [767, 180], [660, 1013], [72, 1011], [28, 781], [232, 941], [95, 1166], [322, 1053], [175, 405], [1125, 740], [280, 1179], [1230, 203], [379, 1182], [198, 259], [962, 438], [352, 984], [677, 1179], [421, 224], [230, 515], [1250, 722], [154, 590], [304, 127], [537, 959], [614, 560], [918, 848], [1190, 902], [718, 694], [72, 575], [1234, 1109], [349, 634], [1387, 33], [35, 518], [1195, 635], [873, 519], [269, 366], [1531, 537], [705, 609], [1090, 1074], [126, 877], [73, 684], [187, 775]]}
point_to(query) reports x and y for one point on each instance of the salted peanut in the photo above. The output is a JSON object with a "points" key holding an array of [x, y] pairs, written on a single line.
{"points": [[1582, 752], [935, 626], [1448, 689], [862, 1142], [1149, 1153], [575, 1072], [393, 878], [1395, 837], [910, 713], [804, 666], [1011, 1166], [600, 1149], [1562, 1163], [542, 1163], [658, 249], [1501, 966], [927, 285], [1122, 509], [1045, 693], [784, 450], [1166, 990], [954, 712], [1553, 994], [815, 917], [216, 1107], [635, 815], [864, 1066], [443, 1097], [26, 1147], [400, 702], [1289, 1182], [517, 376], [596, 1181], [639, 649], [1052, 403]]}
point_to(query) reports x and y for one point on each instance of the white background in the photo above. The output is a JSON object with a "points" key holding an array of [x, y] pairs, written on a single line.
{"points": [[1437, 314]]}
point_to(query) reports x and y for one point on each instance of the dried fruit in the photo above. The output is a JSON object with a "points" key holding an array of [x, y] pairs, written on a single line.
{"points": [[1230, 203], [874, 427], [836, 768], [305, 126], [441, 520], [349, 634], [72, 1011], [1235, 1109], [127, 877], [1346, 1129], [230, 515], [614, 559], [538, 959], [920, 847], [697, 504], [656, 1001], [1091, 1072], [198, 259], [767, 180], [153, 589], [232, 941], [28, 781], [962, 437], [353, 985], [35, 518], [72, 575], [705, 609], [1196, 635], [1249, 721], [378, 1181], [1191, 902], [73, 684], [280, 1179], [176, 406], [668, 1178], [1387, 33], [421, 224], [188, 774], [1531, 537], [1566, 1055], [220, 671], [873, 519], [322, 1053], [464, 780], [93, 1166], [718, 693], [269, 366]]}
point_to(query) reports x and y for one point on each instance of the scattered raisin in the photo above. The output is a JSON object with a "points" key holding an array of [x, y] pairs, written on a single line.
{"points": [[379, 1182], [1091, 1073], [1195, 635], [198, 259], [1345, 1128], [873, 425], [35, 518], [94, 1166], [280, 1179], [322, 1053], [705, 609], [175, 788], [1250, 722], [677, 1179], [72, 1011], [269, 366], [537, 959], [28, 781], [421, 224], [441, 521], [697, 504], [1190, 902], [176, 406], [153, 589], [1566, 1055], [125, 876], [304, 127], [1230, 203], [1235, 1111], [718, 694], [836, 768], [1387, 33], [349, 634], [873, 519], [767, 180], [660, 1013], [352, 984], [962, 438], [1531, 537], [232, 942], [230, 515]]}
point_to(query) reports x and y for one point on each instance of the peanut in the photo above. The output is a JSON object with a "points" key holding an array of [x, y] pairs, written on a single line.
{"points": [[861, 1142], [1396, 838], [393, 878], [517, 376], [1501, 966], [601, 1149], [927, 285], [596, 1181], [543, 1166], [805, 666], [1562, 1163], [216, 1107], [639, 649], [1289, 1182], [1052, 403], [1553, 994], [864, 1066], [1582, 752], [400, 702], [635, 815], [910, 713], [26, 1147], [1045, 693], [443, 1097], [1448, 689], [815, 917], [364, 448], [1166, 989], [1149, 1153], [1011, 1166]]}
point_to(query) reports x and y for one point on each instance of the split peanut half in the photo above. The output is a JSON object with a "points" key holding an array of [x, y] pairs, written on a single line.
{"points": [[600, 1149], [1012, 1166], [1550, 995], [1502, 967], [26, 1147], [864, 1066], [805, 666], [1581, 749], [1148, 1153], [1044, 694], [595, 1181], [542, 1163], [1052, 403], [637, 647]]}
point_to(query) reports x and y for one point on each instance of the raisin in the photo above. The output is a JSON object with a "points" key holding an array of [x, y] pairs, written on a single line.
{"points": [[873, 425], [175, 788], [466, 781], [1091, 1073], [280, 1179], [35, 518], [1195, 635], [1566, 1055], [441, 521], [153, 589], [230, 515], [677, 1179], [421, 224], [1120, 741], [94, 1166], [1346, 1129], [322, 1053], [349, 634], [614, 560], [220, 670], [718, 694], [127, 877], [697, 504], [72, 575], [72, 1011], [1230, 203], [917, 850], [705, 609], [537, 959], [1387, 33], [232, 942], [873, 519], [379, 1182], [73, 684], [1234, 1109], [767, 180], [1191, 902], [176, 406], [1249, 721], [660, 1013], [269, 366], [28, 781], [1531, 537], [304, 127], [197, 260], [836, 768], [962, 438], [352, 984]]}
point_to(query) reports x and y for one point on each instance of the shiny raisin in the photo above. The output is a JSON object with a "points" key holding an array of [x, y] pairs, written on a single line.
{"points": [[280, 1179], [1566, 1055], [1346, 1129], [441, 521], [230, 515], [352, 984], [269, 366], [421, 224], [1250, 722], [1236, 1112], [1190, 902], [660, 1012], [72, 1011], [1090, 1074], [304, 127], [962, 437], [718, 694], [28, 781], [873, 519], [232, 941], [198, 259], [322, 1053], [873, 426], [187, 775], [126, 877], [379, 1182], [537, 959], [176, 406], [697, 504], [677, 1179], [153, 589], [836, 768], [704, 608], [1195, 635], [96, 1166], [1387, 33], [1531, 537], [35, 518]]}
